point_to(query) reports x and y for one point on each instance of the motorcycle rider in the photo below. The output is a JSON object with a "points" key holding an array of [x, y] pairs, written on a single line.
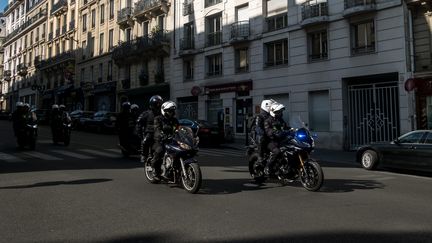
{"points": [[274, 127], [135, 111], [257, 130], [55, 121], [145, 125], [125, 124], [64, 114], [18, 118], [165, 125]]}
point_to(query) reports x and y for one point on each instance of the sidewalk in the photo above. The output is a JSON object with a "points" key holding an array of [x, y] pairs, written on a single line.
{"points": [[324, 155]]}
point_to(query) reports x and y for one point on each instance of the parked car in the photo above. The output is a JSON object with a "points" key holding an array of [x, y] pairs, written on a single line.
{"points": [[79, 117], [43, 116], [208, 133], [101, 121], [4, 115], [412, 151]]}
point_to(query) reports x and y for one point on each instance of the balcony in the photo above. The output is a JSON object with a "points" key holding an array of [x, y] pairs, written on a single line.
{"points": [[354, 7], [35, 19], [214, 38], [7, 75], [146, 9], [187, 7], [22, 69], [124, 17], [240, 31], [59, 8], [56, 60], [145, 47], [314, 12], [187, 46]]}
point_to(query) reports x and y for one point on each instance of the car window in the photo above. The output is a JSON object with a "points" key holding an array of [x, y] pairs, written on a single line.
{"points": [[412, 137], [428, 139]]}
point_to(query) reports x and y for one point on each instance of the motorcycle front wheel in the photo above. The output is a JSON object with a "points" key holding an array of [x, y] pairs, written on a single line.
{"points": [[193, 179], [312, 176]]}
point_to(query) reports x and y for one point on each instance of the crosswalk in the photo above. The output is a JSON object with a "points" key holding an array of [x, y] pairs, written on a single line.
{"points": [[88, 154]]}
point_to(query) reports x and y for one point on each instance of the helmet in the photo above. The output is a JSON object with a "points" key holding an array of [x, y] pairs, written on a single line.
{"points": [[276, 109], [62, 107], [126, 105], [27, 105], [19, 104], [155, 102], [134, 106], [266, 104], [55, 106], [168, 108]]}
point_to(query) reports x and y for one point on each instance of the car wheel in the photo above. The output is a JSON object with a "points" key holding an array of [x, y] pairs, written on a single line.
{"points": [[369, 160]]}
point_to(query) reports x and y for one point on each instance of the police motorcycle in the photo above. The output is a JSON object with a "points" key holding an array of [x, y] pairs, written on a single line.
{"points": [[27, 136], [294, 163], [178, 165], [63, 133]]}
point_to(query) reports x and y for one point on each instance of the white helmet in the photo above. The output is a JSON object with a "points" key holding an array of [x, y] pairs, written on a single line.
{"points": [[134, 106], [276, 108], [168, 106], [266, 104], [55, 106], [19, 104]]}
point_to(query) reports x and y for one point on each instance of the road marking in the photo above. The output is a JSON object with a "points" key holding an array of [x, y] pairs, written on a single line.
{"points": [[101, 153], [72, 154], [10, 158], [38, 155]]}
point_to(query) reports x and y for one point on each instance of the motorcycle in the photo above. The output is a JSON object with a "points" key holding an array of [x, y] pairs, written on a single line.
{"points": [[63, 133], [294, 162], [178, 164], [27, 136]]}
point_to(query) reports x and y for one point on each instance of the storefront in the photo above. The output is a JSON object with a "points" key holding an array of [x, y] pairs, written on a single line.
{"points": [[142, 95], [423, 100], [104, 96]]}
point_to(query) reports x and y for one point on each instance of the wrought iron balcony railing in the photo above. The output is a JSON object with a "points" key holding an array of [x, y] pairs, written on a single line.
{"points": [[60, 7], [355, 3], [63, 57], [313, 8], [29, 22], [124, 15], [240, 30]]}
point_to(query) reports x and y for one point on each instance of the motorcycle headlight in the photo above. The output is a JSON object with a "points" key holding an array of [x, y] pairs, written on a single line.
{"points": [[185, 146]]}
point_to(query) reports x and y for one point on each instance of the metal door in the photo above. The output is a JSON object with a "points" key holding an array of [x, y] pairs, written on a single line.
{"points": [[373, 113]]}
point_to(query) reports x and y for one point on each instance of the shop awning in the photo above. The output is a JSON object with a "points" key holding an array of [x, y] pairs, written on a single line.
{"points": [[419, 85]]}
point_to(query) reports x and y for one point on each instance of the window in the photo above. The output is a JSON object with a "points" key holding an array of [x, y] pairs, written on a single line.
{"points": [[84, 48], [188, 36], [93, 16], [102, 13], [92, 46], [214, 65], [318, 45], [319, 111], [128, 33], [144, 76], [145, 28], [411, 137], [110, 70], [92, 73], [188, 67], [110, 39], [101, 43], [276, 14], [242, 60], [100, 72], [209, 3], [428, 139], [84, 22], [214, 30], [276, 53], [363, 37], [57, 50], [111, 9]]}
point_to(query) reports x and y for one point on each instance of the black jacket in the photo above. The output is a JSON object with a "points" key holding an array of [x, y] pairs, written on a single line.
{"points": [[145, 123], [164, 127], [274, 128]]}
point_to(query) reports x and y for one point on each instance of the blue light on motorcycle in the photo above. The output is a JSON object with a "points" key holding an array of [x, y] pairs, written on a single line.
{"points": [[301, 134]]}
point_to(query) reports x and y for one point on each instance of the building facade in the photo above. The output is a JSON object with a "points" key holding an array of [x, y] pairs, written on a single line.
{"points": [[340, 66], [3, 83]]}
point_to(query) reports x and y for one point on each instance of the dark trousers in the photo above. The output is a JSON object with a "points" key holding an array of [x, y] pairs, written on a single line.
{"points": [[275, 151], [158, 148], [146, 145]]}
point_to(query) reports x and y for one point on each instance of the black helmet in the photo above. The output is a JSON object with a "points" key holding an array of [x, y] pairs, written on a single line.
{"points": [[155, 102]]}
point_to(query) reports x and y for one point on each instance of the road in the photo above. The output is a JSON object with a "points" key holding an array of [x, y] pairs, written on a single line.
{"points": [[88, 192]]}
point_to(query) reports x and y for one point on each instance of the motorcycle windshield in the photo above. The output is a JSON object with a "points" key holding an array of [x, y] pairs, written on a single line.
{"points": [[185, 135], [301, 134]]}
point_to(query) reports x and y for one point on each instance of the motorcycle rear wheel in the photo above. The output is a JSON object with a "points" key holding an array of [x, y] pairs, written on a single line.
{"points": [[312, 176], [254, 170], [148, 170], [192, 182]]}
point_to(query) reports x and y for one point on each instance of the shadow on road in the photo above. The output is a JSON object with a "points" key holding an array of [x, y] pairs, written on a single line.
{"points": [[56, 183], [347, 185], [229, 186]]}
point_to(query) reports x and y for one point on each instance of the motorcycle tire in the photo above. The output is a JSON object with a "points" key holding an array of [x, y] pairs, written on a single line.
{"points": [[257, 175], [312, 177], [148, 170], [194, 178]]}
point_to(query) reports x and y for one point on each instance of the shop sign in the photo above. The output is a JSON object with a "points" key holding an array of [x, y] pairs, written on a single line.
{"points": [[231, 87]]}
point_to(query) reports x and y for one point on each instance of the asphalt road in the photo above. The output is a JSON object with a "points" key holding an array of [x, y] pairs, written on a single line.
{"points": [[88, 192]]}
